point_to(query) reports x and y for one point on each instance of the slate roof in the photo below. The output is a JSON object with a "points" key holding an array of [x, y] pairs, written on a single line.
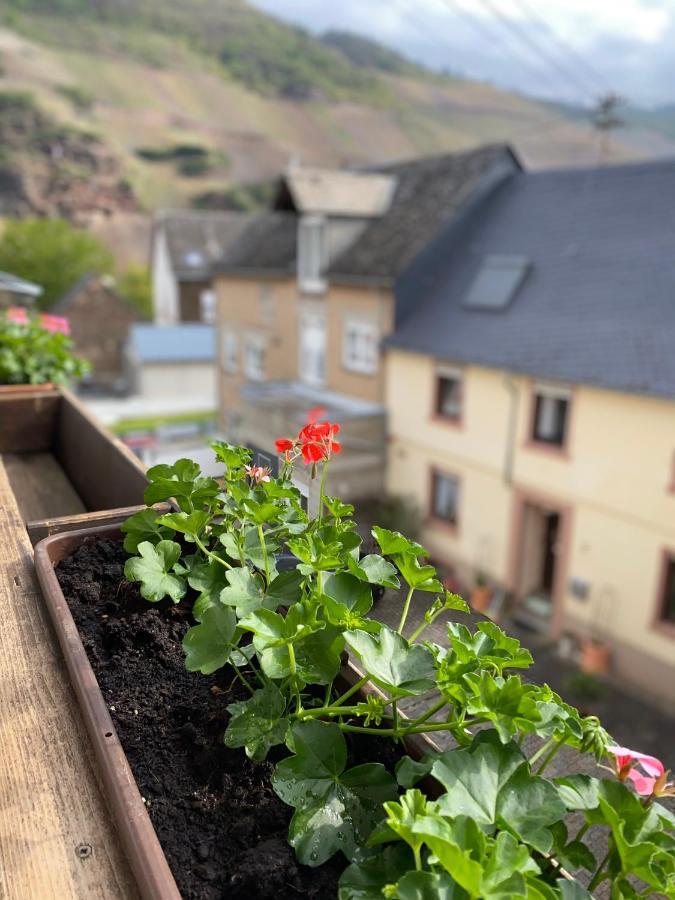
{"points": [[189, 342], [197, 239], [598, 304], [91, 279], [428, 192]]}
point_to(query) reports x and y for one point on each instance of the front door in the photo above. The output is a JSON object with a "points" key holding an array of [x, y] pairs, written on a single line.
{"points": [[312, 349], [536, 581]]}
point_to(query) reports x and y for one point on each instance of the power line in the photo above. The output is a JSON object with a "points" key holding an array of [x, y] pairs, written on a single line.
{"points": [[534, 47], [562, 45]]}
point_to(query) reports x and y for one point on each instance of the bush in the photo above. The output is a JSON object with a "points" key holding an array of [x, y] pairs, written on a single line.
{"points": [[136, 287], [51, 253]]}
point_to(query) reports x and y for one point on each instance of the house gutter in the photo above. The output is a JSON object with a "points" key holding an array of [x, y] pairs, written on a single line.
{"points": [[513, 390]]}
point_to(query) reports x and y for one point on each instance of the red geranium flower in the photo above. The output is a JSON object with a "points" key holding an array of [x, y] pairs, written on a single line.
{"points": [[314, 443], [17, 315]]}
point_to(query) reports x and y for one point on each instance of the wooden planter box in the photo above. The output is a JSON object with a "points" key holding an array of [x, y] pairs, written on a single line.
{"points": [[139, 840], [62, 465]]}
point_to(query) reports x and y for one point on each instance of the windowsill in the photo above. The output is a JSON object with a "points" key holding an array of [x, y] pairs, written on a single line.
{"points": [[552, 449], [312, 287], [440, 419], [443, 524], [351, 370]]}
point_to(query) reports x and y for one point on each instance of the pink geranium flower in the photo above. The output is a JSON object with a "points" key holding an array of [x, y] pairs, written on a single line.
{"points": [[646, 772], [17, 315], [54, 323], [257, 474]]}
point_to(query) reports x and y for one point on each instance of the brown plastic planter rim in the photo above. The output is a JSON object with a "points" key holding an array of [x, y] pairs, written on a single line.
{"points": [[139, 840]]}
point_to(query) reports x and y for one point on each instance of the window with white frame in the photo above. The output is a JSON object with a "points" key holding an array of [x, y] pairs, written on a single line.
{"points": [[229, 347], [445, 497], [312, 348], [449, 394], [551, 415], [254, 357], [311, 253], [360, 346], [207, 306]]}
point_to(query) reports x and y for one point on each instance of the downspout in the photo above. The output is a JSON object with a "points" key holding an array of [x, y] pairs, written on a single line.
{"points": [[510, 448]]}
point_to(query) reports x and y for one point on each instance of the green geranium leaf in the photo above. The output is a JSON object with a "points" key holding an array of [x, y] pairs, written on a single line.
{"points": [[396, 666], [244, 591], [572, 890], [422, 578], [143, 526], [365, 880], [153, 569], [181, 480], [233, 457], [207, 577], [262, 512], [208, 645], [576, 856], [427, 886], [459, 847], [285, 589], [273, 630], [393, 542], [375, 570], [578, 791], [506, 702], [350, 592], [404, 814], [259, 723], [318, 655], [251, 548], [492, 784], [410, 771], [337, 508], [186, 523], [335, 809]]}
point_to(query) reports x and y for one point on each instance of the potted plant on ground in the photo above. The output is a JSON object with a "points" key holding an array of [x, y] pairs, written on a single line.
{"points": [[492, 824], [481, 595], [36, 350]]}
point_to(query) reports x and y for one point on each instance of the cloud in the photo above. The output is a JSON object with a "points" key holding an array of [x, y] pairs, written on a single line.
{"points": [[627, 45]]}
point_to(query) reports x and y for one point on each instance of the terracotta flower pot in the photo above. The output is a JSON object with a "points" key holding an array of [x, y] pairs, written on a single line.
{"points": [[481, 596], [594, 657]]}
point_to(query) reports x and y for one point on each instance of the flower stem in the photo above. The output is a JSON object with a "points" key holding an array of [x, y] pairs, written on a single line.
{"points": [[425, 716], [324, 471], [542, 750], [549, 756], [242, 678], [293, 668], [425, 624], [599, 874], [352, 690], [406, 607], [261, 538], [209, 553]]}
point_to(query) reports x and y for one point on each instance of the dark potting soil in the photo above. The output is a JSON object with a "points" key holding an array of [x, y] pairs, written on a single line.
{"points": [[222, 827]]}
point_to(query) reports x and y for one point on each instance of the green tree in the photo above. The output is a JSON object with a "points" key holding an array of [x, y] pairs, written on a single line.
{"points": [[52, 253], [135, 285]]}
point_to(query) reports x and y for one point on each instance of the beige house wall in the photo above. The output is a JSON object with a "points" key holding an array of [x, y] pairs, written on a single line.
{"points": [[272, 308], [612, 484]]}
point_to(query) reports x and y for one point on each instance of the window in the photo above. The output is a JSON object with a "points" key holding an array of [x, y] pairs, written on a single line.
{"points": [[311, 253], [551, 412], [312, 349], [207, 306], [254, 358], [497, 282], [445, 497], [449, 394], [668, 597], [229, 350], [360, 346]]}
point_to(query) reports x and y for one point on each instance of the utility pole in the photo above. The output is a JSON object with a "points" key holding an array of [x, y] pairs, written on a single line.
{"points": [[605, 119]]}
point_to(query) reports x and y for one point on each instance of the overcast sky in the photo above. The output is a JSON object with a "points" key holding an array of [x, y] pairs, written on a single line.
{"points": [[567, 49]]}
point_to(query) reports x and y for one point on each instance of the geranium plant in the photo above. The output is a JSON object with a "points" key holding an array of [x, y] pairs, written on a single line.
{"points": [[36, 349], [499, 827]]}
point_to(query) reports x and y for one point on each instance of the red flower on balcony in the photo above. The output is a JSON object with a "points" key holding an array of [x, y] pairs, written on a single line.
{"points": [[55, 324], [315, 442], [258, 474]]}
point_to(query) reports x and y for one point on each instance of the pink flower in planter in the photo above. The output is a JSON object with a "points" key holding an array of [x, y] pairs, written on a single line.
{"points": [[55, 324], [17, 315], [646, 772]]}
